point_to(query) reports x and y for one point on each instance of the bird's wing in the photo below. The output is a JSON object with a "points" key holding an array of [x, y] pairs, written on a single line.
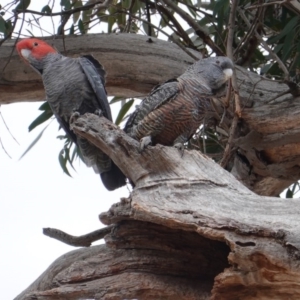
{"points": [[160, 95], [95, 73], [65, 126]]}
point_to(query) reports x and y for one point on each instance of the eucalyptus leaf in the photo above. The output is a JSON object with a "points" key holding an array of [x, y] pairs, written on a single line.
{"points": [[219, 6], [123, 111], [34, 141], [45, 106], [2, 25], [43, 117], [66, 4], [8, 26], [81, 27], [116, 99], [86, 18], [23, 4], [289, 194], [287, 29], [288, 45], [76, 15], [63, 162], [72, 30], [46, 9]]}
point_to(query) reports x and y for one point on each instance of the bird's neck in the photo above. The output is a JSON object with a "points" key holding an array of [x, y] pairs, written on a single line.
{"points": [[41, 64]]}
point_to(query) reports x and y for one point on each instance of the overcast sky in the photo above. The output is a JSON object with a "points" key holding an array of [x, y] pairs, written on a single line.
{"points": [[35, 193]]}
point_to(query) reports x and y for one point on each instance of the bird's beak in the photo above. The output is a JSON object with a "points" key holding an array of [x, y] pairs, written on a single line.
{"points": [[25, 53], [228, 73]]}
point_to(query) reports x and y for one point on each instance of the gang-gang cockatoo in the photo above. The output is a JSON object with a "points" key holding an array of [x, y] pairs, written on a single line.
{"points": [[74, 85], [174, 110]]}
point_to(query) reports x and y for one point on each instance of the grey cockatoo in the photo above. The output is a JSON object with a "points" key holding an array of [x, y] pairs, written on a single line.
{"points": [[74, 85], [174, 110]]}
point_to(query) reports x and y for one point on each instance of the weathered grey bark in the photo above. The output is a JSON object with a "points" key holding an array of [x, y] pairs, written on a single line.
{"points": [[266, 161], [172, 236], [133, 64]]}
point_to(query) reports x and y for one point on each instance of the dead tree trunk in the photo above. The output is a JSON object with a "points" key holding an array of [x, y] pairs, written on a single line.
{"points": [[189, 230]]}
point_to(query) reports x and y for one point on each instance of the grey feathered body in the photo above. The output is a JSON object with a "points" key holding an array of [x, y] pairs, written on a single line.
{"points": [[175, 109], [77, 85], [68, 90]]}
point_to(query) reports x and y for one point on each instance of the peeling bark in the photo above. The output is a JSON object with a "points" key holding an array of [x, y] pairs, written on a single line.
{"points": [[185, 217]]}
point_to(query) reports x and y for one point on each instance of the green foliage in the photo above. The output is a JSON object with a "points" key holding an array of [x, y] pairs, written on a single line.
{"points": [[208, 142], [43, 117], [6, 24], [2, 25], [81, 26], [292, 190], [123, 111], [23, 4], [76, 15], [66, 4], [116, 99], [64, 156], [34, 141], [46, 9]]}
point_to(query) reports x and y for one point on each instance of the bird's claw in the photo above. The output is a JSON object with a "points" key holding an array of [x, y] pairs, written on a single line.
{"points": [[98, 112], [75, 115], [180, 147], [144, 142]]}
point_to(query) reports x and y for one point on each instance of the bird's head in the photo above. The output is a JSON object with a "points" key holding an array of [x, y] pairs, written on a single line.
{"points": [[34, 52], [227, 66], [215, 71]]}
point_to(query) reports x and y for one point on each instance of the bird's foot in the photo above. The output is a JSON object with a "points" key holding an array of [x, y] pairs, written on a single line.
{"points": [[180, 147], [144, 142], [75, 115], [98, 112]]}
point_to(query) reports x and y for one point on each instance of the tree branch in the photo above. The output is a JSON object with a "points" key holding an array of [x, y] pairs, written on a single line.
{"points": [[265, 46], [206, 39], [231, 26], [100, 5], [77, 241], [18, 82]]}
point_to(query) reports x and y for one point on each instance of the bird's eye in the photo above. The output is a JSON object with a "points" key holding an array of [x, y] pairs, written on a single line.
{"points": [[35, 44]]}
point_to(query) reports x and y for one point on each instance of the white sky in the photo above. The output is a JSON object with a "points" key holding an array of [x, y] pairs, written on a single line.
{"points": [[35, 193]]}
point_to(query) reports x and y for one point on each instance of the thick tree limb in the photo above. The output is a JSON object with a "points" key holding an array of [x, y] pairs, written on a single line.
{"points": [[133, 65], [181, 205]]}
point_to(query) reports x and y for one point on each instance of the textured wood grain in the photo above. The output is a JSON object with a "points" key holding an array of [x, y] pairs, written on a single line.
{"points": [[141, 261], [194, 194], [124, 57], [188, 230]]}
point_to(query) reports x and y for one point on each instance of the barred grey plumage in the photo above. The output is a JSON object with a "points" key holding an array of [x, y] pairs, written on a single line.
{"points": [[175, 109]]}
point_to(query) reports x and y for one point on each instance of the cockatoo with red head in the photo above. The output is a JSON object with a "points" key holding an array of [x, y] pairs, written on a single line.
{"points": [[74, 85]]}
